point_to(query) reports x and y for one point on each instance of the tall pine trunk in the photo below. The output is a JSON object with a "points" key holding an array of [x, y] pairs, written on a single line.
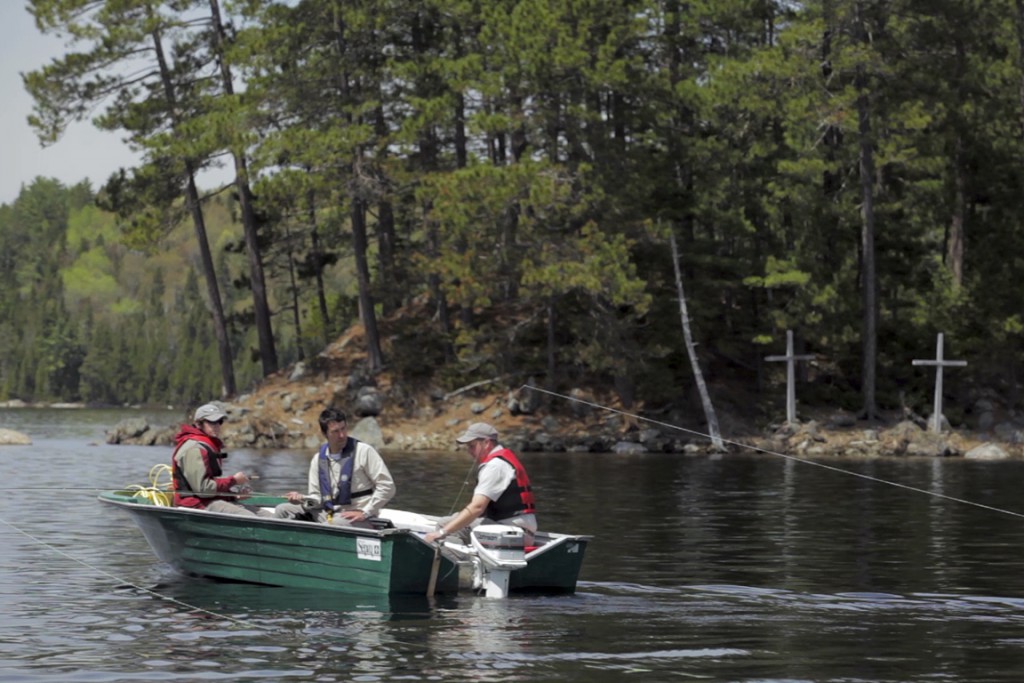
{"points": [[366, 307], [261, 309], [869, 282], [192, 201]]}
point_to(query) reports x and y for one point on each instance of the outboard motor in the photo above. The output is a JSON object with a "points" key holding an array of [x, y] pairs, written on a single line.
{"points": [[500, 550]]}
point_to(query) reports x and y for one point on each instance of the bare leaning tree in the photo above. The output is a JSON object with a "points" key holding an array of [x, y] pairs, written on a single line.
{"points": [[709, 409]]}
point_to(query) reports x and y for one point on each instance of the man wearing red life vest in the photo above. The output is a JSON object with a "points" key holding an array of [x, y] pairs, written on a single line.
{"points": [[199, 481], [503, 494]]}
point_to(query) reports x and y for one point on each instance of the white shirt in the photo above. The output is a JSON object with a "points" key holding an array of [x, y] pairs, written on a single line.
{"points": [[493, 478]]}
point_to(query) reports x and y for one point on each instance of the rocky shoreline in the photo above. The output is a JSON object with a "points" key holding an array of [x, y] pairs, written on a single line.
{"points": [[282, 413], [250, 427]]}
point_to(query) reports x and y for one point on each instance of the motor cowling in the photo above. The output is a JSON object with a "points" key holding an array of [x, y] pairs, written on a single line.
{"points": [[500, 549]]}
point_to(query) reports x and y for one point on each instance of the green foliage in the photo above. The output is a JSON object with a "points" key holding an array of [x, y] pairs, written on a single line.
{"points": [[513, 159]]}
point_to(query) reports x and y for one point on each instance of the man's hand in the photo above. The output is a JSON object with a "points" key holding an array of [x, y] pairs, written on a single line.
{"points": [[241, 478], [353, 515], [294, 497]]}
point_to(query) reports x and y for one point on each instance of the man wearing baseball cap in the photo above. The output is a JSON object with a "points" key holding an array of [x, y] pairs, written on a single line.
{"points": [[196, 467], [503, 494]]}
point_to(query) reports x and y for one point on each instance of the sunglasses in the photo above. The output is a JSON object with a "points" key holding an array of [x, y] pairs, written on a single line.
{"points": [[216, 422]]}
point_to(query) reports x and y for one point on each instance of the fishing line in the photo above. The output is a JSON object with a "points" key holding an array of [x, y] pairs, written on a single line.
{"points": [[833, 468], [121, 581], [465, 481]]}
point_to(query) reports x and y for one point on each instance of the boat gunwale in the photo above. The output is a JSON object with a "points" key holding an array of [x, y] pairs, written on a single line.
{"points": [[118, 498], [126, 500]]}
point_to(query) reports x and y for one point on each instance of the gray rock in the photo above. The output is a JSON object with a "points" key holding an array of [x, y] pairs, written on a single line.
{"points": [[648, 435], [9, 437], [549, 423], [1009, 432], [984, 405], [904, 430], [581, 403], [628, 448], [529, 400], [127, 431], [368, 431], [987, 451], [369, 402], [842, 418], [931, 445]]}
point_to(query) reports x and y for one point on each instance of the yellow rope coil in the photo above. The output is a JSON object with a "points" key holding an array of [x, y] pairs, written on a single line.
{"points": [[157, 493]]}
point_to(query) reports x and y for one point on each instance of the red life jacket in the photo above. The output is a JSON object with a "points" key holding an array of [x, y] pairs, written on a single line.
{"points": [[211, 448], [517, 499]]}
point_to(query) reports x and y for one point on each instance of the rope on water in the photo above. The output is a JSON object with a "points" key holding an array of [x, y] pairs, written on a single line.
{"points": [[121, 581], [775, 453]]}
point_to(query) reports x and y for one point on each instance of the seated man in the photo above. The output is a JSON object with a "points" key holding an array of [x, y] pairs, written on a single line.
{"points": [[348, 480], [503, 494], [196, 471]]}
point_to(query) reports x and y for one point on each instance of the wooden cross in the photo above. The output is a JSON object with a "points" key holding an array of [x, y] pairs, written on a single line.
{"points": [[936, 422], [790, 375]]}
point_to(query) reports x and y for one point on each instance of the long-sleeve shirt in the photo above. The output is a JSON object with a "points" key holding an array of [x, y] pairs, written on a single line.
{"points": [[368, 472]]}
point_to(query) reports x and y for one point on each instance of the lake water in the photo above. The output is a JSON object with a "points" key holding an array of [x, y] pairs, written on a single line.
{"points": [[749, 567]]}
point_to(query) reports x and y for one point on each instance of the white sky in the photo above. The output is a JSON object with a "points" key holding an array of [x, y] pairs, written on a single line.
{"points": [[84, 152]]}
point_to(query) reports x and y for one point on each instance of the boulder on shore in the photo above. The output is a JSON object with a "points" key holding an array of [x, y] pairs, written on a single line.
{"points": [[9, 437]]}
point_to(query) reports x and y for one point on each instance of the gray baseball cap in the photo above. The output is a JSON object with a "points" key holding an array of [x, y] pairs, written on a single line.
{"points": [[210, 412], [478, 430]]}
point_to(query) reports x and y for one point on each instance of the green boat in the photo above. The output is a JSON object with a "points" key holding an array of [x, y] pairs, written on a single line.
{"points": [[390, 560], [281, 552]]}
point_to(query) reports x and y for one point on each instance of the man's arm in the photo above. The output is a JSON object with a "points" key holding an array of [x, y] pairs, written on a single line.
{"points": [[313, 479], [190, 459], [380, 478], [466, 515]]}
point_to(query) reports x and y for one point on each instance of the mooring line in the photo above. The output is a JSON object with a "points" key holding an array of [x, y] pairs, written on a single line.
{"points": [[119, 580], [738, 444]]}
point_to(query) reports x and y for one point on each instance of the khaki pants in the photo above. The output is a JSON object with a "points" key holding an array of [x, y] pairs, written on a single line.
{"points": [[236, 509]]}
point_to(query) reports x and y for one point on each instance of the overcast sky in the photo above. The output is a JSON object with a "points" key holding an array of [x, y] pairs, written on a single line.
{"points": [[83, 152]]}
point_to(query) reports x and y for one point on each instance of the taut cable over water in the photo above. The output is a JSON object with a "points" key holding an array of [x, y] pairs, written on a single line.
{"points": [[122, 582], [775, 453]]}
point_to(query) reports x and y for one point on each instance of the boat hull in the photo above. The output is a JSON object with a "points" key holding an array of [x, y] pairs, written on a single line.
{"points": [[288, 553], [553, 567]]}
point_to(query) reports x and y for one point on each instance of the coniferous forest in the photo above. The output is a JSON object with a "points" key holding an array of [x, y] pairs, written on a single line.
{"points": [[491, 189]]}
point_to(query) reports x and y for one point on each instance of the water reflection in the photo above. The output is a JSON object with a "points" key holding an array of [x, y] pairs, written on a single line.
{"points": [[268, 601], [741, 568]]}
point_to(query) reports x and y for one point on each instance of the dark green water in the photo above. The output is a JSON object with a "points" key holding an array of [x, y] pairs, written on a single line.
{"points": [[740, 568]]}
